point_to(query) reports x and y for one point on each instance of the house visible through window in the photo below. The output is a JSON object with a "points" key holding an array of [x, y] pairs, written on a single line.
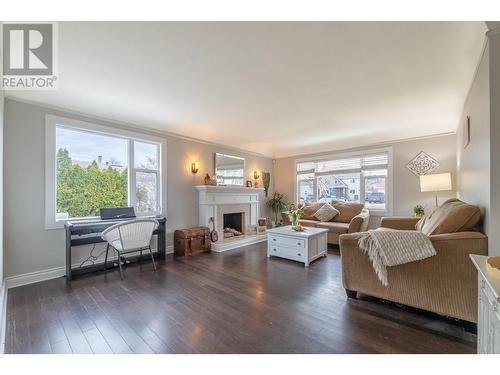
{"points": [[96, 169], [360, 178]]}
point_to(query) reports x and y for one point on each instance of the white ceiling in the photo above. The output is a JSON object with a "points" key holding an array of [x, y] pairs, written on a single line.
{"points": [[274, 88]]}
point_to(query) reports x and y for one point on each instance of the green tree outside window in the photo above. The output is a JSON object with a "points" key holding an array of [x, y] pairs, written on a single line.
{"points": [[83, 191]]}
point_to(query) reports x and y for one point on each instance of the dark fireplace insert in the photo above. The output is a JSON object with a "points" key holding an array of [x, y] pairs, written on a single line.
{"points": [[233, 221]]}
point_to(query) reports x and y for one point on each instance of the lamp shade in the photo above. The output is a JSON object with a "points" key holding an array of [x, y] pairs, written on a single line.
{"points": [[435, 182]]}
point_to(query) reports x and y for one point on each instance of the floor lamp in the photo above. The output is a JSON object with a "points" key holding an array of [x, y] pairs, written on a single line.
{"points": [[435, 183]]}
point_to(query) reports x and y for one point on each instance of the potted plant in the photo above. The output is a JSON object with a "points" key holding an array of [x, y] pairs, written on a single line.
{"points": [[419, 211], [295, 214], [277, 203]]}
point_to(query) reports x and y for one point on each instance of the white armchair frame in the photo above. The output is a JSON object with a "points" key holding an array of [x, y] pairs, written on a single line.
{"points": [[128, 237]]}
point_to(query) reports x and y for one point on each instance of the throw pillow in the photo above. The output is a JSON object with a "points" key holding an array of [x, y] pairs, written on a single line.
{"points": [[326, 213], [310, 209], [452, 216], [347, 210]]}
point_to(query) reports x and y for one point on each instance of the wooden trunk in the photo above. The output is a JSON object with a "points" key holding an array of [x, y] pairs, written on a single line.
{"points": [[191, 241]]}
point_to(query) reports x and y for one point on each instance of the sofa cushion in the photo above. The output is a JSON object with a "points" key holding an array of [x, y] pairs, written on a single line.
{"points": [[452, 216], [326, 213], [308, 223], [347, 210], [309, 209], [334, 227]]}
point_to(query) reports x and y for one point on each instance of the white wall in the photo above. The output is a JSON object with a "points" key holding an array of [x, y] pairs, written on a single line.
{"points": [[28, 246], [406, 185], [473, 162]]}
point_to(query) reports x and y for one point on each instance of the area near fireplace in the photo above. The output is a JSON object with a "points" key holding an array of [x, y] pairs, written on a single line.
{"points": [[231, 207]]}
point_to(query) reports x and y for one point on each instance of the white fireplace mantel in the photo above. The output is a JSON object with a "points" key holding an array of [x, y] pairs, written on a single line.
{"points": [[228, 189], [215, 200], [210, 195]]}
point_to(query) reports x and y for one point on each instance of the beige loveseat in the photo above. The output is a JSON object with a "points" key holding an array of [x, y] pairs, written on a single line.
{"points": [[445, 283], [352, 218]]}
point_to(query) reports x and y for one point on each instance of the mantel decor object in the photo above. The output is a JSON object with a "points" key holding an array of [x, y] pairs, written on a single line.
{"points": [[266, 181], [208, 180]]}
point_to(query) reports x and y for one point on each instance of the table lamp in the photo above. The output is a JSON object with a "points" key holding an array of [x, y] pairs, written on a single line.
{"points": [[435, 183]]}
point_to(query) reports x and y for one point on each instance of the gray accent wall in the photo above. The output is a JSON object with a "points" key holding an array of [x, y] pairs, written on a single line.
{"points": [[406, 186], [31, 248], [2, 256], [478, 164], [473, 160], [1, 191], [494, 155]]}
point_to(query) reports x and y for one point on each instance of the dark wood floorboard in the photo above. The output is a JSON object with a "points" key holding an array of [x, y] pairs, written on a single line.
{"points": [[235, 302]]}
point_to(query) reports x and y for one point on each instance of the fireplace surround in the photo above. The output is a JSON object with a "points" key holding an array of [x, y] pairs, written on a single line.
{"points": [[217, 201]]}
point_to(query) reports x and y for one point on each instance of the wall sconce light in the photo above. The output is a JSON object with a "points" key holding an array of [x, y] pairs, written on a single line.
{"points": [[256, 175], [195, 167]]}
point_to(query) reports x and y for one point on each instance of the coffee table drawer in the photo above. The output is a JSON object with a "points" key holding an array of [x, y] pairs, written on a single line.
{"points": [[296, 243], [286, 252]]}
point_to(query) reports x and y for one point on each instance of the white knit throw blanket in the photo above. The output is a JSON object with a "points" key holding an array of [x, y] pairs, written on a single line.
{"points": [[387, 248]]}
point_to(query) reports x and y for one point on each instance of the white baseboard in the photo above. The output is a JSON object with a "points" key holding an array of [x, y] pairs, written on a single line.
{"points": [[52, 273], [34, 277], [3, 316]]}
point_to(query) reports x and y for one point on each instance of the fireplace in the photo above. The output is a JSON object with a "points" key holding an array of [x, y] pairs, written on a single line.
{"points": [[233, 224], [215, 202]]}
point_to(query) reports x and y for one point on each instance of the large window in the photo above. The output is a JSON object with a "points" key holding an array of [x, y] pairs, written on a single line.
{"points": [[359, 178], [89, 167]]}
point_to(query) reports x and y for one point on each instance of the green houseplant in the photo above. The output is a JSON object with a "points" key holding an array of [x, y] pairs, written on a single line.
{"points": [[419, 211], [277, 203]]}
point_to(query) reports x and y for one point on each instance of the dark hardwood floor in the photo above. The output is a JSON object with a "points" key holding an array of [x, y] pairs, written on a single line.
{"points": [[235, 302]]}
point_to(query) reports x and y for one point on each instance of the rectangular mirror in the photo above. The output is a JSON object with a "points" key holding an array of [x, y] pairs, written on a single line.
{"points": [[230, 170]]}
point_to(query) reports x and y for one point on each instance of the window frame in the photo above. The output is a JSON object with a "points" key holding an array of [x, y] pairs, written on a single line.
{"points": [[341, 155], [133, 170], [51, 124]]}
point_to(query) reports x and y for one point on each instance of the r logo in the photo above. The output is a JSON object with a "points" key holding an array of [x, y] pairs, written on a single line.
{"points": [[28, 49]]}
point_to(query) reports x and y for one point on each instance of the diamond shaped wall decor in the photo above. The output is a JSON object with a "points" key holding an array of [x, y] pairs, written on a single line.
{"points": [[422, 164]]}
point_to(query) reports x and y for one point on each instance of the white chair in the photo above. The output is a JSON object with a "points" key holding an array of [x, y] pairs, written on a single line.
{"points": [[128, 237]]}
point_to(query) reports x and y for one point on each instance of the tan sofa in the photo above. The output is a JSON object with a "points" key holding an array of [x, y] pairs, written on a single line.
{"points": [[352, 218], [445, 284]]}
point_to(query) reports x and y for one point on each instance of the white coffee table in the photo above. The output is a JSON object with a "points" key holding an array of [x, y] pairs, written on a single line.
{"points": [[304, 246]]}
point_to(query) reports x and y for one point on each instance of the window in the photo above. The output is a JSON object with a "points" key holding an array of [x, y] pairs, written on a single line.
{"points": [[353, 178], [89, 167], [305, 184], [146, 177]]}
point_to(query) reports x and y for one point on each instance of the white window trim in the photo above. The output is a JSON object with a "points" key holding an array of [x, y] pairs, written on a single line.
{"points": [[390, 178], [51, 122]]}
